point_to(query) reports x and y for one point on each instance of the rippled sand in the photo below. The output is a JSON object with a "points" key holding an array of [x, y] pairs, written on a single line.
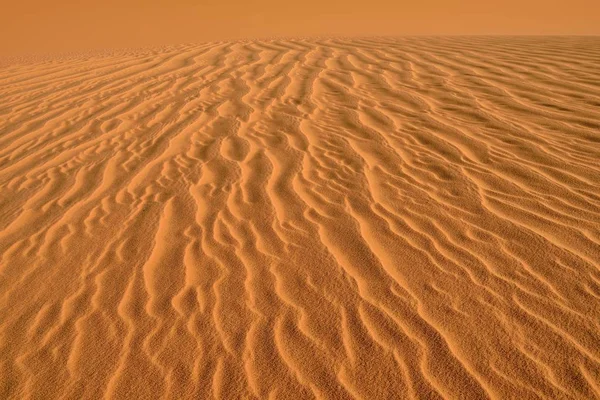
{"points": [[366, 218]]}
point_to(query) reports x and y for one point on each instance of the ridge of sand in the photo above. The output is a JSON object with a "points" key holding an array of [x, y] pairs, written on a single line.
{"points": [[330, 218]]}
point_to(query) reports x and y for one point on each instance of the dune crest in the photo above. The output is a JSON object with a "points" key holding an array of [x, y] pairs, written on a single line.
{"points": [[329, 218]]}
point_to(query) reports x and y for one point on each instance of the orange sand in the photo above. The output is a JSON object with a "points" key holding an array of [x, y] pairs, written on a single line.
{"points": [[319, 218]]}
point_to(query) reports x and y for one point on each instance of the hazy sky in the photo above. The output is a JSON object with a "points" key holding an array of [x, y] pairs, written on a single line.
{"points": [[39, 25]]}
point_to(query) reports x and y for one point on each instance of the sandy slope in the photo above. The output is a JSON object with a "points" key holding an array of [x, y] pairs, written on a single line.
{"points": [[390, 218]]}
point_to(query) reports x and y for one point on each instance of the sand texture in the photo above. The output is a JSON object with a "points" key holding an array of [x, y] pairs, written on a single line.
{"points": [[312, 218]]}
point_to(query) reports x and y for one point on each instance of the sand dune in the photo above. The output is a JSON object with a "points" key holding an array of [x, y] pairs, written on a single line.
{"points": [[360, 218]]}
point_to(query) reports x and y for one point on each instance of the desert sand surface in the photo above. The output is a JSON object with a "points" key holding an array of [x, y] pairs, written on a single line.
{"points": [[329, 218]]}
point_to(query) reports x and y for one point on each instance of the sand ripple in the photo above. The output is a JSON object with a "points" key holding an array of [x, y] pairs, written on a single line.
{"points": [[382, 218]]}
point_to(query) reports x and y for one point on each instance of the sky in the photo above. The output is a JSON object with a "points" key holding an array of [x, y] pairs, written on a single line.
{"points": [[30, 26]]}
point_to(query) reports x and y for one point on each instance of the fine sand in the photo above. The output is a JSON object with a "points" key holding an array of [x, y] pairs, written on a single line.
{"points": [[329, 218]]}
